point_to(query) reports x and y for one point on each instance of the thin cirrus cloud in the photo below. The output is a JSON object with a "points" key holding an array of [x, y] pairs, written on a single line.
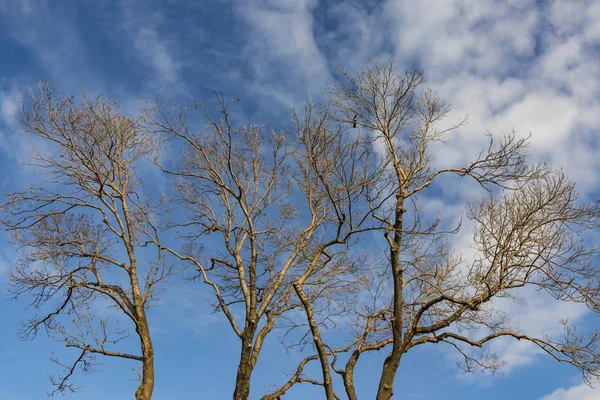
{"points": [[9, 103], [148, 34], [285, 58]]}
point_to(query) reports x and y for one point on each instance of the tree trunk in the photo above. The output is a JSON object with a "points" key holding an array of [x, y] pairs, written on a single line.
{"points": [[245, 367], [392, 361], [144, 391], [390, 367], [349, 375]]}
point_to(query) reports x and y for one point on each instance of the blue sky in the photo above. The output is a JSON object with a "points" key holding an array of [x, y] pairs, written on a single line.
{"points": [[525, 64]]}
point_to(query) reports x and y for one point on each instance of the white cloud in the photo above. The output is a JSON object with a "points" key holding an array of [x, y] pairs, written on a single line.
{"points": [[283, 50], [580, 392], [533, 313], [155, 51], [58, 47], [513, 64], [13, 146], [509, 64], [548, 115], [7, 259], [360, 35], [9, 104], [449, 35], [152, 46], [537, 315]]}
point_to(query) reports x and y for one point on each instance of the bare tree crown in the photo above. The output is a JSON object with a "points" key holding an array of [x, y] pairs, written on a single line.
{"points": [[79, 234], [305, 230], [529, 230]]}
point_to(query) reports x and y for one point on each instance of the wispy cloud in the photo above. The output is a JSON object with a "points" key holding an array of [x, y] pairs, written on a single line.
{"points": [[13, 146], [148, 35], [282, 49], [57, 48], [9, 104], [180, 313], [579, 392], [537, 315], [24, 6], [155, 51]]}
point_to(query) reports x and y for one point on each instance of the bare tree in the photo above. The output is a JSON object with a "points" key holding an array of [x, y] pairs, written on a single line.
{"points": [[276, 225], [79, 234], [528, 231], [236, 184]]}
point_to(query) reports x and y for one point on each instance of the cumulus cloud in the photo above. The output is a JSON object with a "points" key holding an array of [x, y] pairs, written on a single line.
{"points": [[532, 312], [512, 64], [477, 34]]}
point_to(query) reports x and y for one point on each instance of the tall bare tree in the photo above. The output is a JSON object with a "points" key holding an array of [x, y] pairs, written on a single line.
{"points": [[79, 234], [236, 184], [529, 230], [276, 222]]}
